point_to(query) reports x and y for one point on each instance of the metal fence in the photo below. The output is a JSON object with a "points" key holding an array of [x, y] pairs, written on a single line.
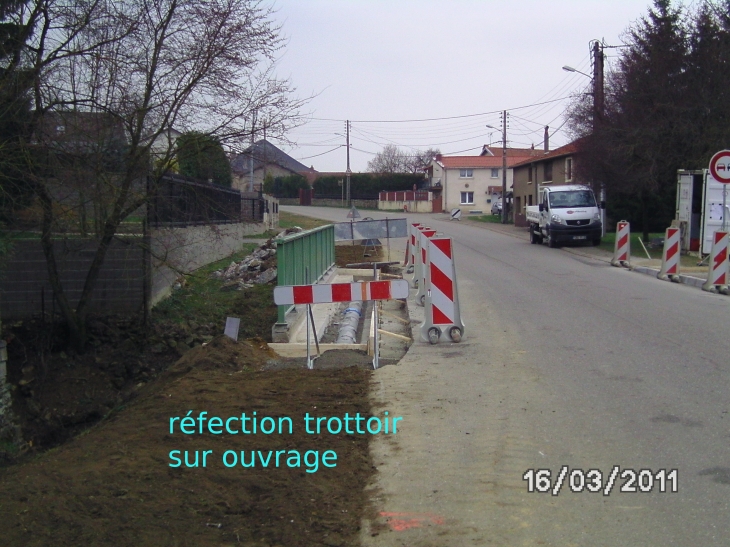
{"points": [[179, 201], [408, 195], [304, 258]]}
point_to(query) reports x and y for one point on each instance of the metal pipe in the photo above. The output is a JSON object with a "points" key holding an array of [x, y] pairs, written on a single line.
{"points": [[348, 326]]}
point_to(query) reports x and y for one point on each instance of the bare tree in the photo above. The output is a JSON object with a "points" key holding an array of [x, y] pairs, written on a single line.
{"points": [[420, 159], [394, 160], [136, 68]]}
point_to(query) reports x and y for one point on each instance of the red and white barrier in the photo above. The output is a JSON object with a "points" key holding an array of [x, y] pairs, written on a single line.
{"points": [[717, 276], [670, 256], [422, 284], [442, 313], [340, 292], [410, 257], [622, 248]]}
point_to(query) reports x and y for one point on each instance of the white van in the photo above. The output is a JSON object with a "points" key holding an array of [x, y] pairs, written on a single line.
{"points": [[565, 214]]}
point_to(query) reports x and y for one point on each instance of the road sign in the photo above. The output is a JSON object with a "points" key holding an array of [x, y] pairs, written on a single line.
{"points": [[720, 166], [455, 214]]}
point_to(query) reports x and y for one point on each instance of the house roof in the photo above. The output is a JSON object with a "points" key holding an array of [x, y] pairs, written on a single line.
{"points": [[78, 132], [567, 150], [264, 151], [497, 151], [478, 162]]}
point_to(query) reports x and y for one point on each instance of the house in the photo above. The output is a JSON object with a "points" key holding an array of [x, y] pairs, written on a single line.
{"points": [[554, 167], [265, 159], [89, 138], [163, 145], [471, 183]]}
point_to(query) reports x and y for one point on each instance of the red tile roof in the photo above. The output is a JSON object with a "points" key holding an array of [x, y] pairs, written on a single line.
{"points": [[567, 150], [478, 162], [497, 151]]}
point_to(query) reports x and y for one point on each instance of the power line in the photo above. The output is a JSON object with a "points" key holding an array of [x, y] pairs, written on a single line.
{"points": [[323, 153], [446, 117]]}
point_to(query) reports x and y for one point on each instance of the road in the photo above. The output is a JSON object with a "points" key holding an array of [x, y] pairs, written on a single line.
{"points": [[567, 362]]}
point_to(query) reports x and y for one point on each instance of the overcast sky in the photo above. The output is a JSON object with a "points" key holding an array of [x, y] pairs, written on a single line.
{"points": [[380, 62]]}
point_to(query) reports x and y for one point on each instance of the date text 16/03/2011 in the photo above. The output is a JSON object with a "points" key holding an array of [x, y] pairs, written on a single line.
{"points": [[594, 480]]}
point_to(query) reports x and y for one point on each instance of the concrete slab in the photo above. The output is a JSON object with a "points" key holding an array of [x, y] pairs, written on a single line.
{"points": [[300, 350]]}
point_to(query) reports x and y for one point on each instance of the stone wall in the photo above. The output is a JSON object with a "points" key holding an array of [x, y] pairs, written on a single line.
{"points": [[320, 202], [11, 439], [177, 251]]}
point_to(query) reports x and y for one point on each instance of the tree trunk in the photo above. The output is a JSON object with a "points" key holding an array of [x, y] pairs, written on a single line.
{"points": [[645, 215], [77, 330]]}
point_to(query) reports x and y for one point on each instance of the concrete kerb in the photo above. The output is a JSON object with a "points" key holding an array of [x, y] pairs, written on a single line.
{"points": [[596, 254]]}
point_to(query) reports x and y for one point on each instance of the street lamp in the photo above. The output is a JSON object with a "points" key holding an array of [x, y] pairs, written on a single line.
{"points": [[567, 68]]}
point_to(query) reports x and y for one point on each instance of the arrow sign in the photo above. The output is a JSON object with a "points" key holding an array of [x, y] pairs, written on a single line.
{"points": [[720, 166]]}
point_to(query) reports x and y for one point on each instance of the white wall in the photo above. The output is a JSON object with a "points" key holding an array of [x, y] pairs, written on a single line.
{"points": [[479, 184]]}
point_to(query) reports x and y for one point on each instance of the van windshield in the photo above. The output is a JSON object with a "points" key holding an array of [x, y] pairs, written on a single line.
{"points": [[572, 198]]}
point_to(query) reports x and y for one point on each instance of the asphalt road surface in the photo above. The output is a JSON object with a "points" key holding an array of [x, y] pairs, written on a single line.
{"points": [[569, 364]]}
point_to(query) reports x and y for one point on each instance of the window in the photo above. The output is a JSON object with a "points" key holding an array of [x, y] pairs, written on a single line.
{"points": [[495, 173], [548, 171], [467, 198], [572, 198], [568, 169], [466, 173], [529, 173]]}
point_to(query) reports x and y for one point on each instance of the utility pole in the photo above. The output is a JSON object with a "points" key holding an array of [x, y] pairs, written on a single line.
{"points": [[598, 105], [253, 131], [504, 167], [598, 100], [347, 128], [263, 180]]}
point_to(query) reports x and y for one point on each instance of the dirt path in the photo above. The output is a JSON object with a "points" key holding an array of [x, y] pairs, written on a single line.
{"points": [[114, 485]]}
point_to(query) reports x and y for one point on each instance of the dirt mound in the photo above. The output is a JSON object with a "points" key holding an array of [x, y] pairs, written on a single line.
{"points": [[119, 485], [224, 353]]}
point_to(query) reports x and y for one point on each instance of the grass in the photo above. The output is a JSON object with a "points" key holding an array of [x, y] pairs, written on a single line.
{"points": [[609, 242], [203, 300], [492, 219], [289, 220], [268, 234]]}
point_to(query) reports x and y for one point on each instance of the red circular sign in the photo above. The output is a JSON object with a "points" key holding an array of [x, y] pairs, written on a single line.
{"points": [[720, 166]]}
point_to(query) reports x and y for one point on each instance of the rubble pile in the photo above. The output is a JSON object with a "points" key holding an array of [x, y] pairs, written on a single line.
{"points": [[256, 269]]}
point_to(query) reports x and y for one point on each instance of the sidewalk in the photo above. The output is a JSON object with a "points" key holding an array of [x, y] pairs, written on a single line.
{"points": [[690, 275]]}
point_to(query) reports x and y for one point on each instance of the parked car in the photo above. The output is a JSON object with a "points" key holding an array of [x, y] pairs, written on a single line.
{"points": [[497, 207]]}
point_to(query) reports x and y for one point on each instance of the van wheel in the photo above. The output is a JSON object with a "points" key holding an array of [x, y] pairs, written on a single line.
{"points": [[552, 243]]}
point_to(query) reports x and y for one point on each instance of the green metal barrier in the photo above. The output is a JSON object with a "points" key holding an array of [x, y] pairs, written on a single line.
{"points": [[313, 250]]}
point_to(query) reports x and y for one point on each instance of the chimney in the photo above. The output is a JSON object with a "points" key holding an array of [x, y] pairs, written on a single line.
{"points": [[546, 140], [438, 157]]}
